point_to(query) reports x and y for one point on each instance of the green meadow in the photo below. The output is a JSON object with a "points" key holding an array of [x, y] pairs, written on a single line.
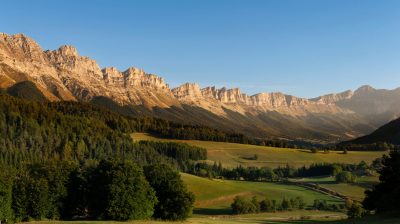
{"points": [[214, 196], [232, 154]]}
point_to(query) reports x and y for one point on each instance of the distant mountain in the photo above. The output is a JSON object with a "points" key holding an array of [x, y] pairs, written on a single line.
{"points": [[378, 106], [63, 74], [389, 133]]}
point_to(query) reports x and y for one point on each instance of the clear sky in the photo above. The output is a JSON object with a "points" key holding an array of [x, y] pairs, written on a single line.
{"points": [[305, 48]]}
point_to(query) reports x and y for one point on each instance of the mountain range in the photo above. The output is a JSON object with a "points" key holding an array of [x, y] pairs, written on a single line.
{"points": [[63, 74]]}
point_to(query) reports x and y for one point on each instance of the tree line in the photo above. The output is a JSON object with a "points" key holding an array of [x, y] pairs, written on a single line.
{"points": [[242, 205], [267, 174], [108, 189], [376, 146]]}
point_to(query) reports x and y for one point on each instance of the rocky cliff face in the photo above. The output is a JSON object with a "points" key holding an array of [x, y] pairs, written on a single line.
{"points": [[63, 74], [235, 96], [334, 97]]}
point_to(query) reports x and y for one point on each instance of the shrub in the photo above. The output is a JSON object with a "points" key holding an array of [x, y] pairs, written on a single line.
{"points": [[355, 211], [243, 206], [345, 177]]}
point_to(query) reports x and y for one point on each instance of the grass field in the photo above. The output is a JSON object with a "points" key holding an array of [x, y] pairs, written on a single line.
{"points": [[232, 154], [215, 196], [354, 190]]}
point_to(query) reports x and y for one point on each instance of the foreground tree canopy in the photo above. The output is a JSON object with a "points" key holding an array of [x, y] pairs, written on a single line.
{"points": [[109, 189], [386, 195]]}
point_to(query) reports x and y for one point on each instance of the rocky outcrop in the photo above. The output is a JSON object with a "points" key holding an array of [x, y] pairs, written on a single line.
{"points": [[333, 98], [63, 74], [187, 90], [20, 47], [235, 96]]}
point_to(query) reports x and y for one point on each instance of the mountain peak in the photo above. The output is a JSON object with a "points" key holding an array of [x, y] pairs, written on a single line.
{"points": [[191, 90], [20, 46], [134, 71], [364, 89], [110, 72], [69, 51]]}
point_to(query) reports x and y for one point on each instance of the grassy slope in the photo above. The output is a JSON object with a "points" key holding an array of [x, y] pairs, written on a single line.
{"points": [[354, 191], [232, 154], [215, 196]]}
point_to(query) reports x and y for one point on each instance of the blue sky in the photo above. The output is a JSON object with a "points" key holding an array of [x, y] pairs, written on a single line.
{"points": [[305, 48]]}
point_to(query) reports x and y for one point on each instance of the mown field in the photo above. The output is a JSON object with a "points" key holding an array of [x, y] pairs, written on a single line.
{"points": [[232, 154], [214, 196]]}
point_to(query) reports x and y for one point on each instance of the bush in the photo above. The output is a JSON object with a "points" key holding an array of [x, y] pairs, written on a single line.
{"points": [[243, 206], [345, 177], [174, 200], [355, 211]]}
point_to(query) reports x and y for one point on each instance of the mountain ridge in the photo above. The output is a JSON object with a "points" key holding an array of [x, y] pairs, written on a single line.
{"points": [[63, 74]]}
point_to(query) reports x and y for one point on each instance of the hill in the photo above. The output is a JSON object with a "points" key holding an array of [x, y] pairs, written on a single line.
{"points": [[389, 133], [26, 90], [71, 131]]}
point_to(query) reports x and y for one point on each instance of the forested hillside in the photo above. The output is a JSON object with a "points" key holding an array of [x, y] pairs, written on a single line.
{"points": [[389, 133], [33, 131], [69, 160], [384, 138]]}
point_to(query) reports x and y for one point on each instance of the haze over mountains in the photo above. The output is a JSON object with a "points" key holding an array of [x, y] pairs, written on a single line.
{"points": [[63, 74]]}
